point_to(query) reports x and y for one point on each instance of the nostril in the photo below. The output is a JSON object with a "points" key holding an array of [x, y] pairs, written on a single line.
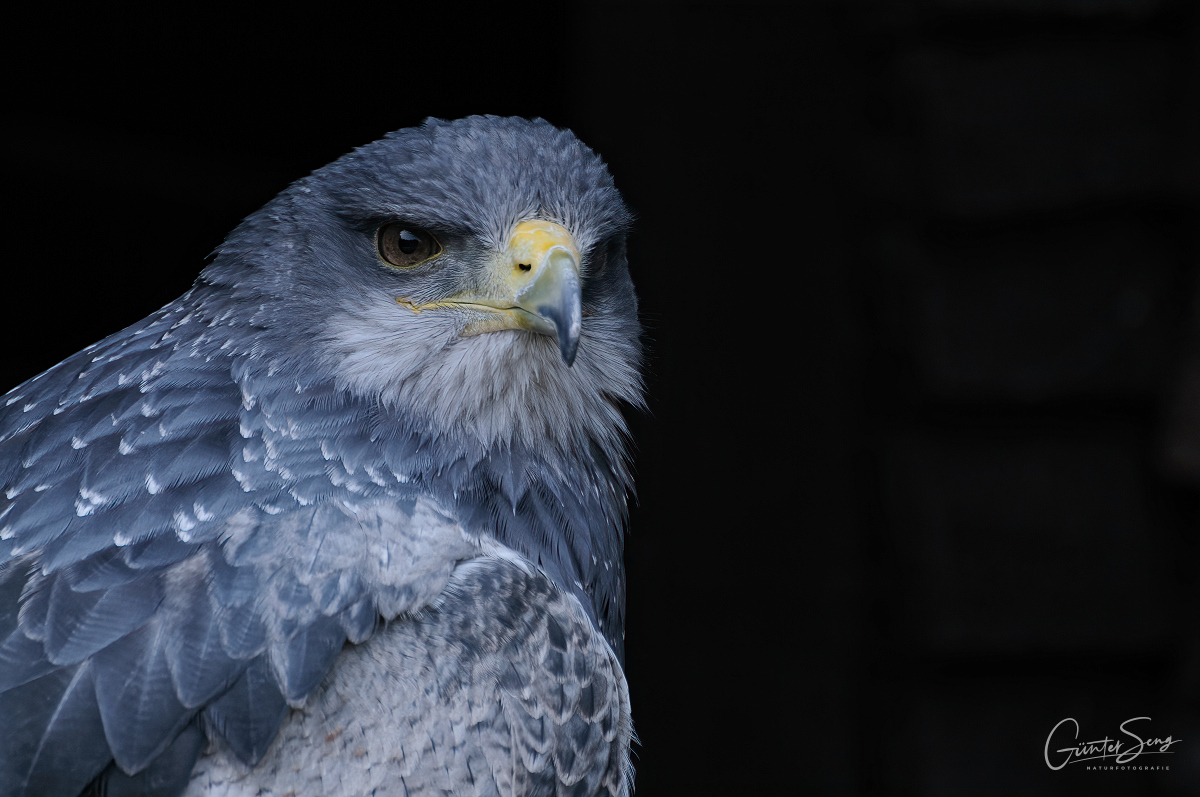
{"points": [[524, 266]]}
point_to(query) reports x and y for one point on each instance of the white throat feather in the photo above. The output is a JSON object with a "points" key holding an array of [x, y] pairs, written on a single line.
{"points": [[499, 388]]}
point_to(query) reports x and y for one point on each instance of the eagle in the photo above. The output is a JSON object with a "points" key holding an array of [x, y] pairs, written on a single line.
{"points": [[347, 517]]}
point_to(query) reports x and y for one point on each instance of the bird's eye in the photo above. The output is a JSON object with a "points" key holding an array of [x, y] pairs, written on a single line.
{"points": [[403, 246]]}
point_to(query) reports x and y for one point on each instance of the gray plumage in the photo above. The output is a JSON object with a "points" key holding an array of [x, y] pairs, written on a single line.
{"points": [[309, 495]]}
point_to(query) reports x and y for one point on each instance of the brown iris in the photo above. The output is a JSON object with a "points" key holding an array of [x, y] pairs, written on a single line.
{"points": [[404, 246]]}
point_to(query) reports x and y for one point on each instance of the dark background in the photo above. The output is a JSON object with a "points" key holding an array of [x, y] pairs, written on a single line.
{"points": [[919, 477]]}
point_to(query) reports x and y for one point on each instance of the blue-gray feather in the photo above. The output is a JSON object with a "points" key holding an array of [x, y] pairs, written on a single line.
{"points": [[193, 511], [57, 751]]}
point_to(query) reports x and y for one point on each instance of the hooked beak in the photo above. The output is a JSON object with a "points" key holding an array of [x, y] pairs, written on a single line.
{"points": [[532, 284]]}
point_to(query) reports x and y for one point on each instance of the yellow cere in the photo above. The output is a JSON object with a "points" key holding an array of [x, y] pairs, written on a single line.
{"points": [[510, 273], [532, 240]]}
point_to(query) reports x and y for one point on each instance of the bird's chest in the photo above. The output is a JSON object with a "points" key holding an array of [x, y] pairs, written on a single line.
{"points": [[503, 687]]}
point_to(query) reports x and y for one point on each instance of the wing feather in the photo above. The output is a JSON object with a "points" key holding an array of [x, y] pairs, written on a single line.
{"points": [[201, 668], [175, 542], [79, 624], [57, 751], [141, 710], [301, 661], [247, 716]]}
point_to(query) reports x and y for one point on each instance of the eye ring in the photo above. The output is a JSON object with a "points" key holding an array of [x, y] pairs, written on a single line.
{"points": [[404, 246]]}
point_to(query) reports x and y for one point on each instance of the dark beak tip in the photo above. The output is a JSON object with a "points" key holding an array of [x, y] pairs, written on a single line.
{"points": [[568, 346], [567, 325]]}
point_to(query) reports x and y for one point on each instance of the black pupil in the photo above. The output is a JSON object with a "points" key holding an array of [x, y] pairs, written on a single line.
{"points": [[407, 242]]}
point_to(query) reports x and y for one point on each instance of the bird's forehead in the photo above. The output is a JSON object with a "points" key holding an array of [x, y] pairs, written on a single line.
{"points": [[482, 175]]}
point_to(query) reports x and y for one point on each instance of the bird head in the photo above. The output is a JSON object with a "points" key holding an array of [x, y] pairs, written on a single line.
{"points": [[470, 272]]}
